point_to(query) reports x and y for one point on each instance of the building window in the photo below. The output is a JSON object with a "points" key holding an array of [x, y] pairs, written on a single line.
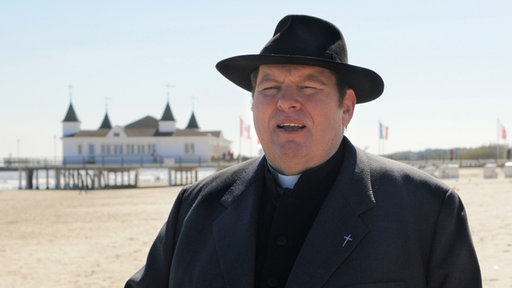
{"points": [[140, 149], [79, 149], [130, 150], [151, 149], [105, 149], [91, 150], [118, 149], [190, 148], [116, 134]]}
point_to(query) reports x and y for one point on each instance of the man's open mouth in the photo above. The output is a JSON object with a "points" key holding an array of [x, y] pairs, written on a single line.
{"points": [[291, 127]]}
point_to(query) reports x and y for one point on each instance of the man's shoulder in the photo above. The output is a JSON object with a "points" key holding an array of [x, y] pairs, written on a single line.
{"points": [[216, 184], [382, 168], [396, 182]]}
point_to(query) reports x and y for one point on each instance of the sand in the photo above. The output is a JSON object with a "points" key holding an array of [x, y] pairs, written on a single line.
{"points": [[488, 204], [99, 239]]}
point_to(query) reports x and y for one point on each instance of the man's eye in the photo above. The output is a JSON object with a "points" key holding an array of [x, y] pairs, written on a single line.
{"points": [[308, 89], [270, 89]]}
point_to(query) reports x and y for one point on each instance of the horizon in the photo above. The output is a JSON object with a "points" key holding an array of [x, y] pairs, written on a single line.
{"points": [[444, 64]]}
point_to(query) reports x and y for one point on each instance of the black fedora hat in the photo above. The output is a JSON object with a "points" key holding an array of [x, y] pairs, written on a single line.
{"points": [[305, 40]]}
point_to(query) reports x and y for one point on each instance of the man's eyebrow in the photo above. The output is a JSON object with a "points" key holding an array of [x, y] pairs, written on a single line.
{"points": [[266, 78], [314, 78]]}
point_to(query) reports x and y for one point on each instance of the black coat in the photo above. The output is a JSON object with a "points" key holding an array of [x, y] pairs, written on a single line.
{"points": [[383, 224]]}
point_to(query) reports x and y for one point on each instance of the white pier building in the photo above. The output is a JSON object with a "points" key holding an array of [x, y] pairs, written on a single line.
{"points": [[145, 141]]}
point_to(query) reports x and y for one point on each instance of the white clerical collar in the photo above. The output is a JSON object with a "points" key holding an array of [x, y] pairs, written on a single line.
{"points": [[286, 181]]}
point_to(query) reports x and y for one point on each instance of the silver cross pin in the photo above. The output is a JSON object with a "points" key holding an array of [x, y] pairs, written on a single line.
{"points": [[347, 238]]}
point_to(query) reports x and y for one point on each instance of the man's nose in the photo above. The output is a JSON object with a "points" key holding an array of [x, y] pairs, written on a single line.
{"points": [[289, 99]]}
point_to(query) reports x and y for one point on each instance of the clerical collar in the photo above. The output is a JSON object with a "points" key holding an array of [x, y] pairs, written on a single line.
{"points": [[285, 181], [331, 165]]}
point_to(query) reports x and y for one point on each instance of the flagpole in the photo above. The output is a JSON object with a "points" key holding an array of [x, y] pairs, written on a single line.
{"points": [[498, 141], [383, 137]]}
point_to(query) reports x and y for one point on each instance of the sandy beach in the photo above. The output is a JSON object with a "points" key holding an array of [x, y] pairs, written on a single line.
{"points": [[99, 239]]}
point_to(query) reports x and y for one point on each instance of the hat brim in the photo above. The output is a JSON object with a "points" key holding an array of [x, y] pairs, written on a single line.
{"points": [[366, 84]]}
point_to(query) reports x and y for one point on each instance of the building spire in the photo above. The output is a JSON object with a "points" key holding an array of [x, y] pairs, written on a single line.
{"points": [[167, 123], [70, 114], [192, 123], [106, 122], [168, 116], [70, 124]]}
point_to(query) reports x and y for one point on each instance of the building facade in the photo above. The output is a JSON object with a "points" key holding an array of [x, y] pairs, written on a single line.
{"points": [[145, 141]]}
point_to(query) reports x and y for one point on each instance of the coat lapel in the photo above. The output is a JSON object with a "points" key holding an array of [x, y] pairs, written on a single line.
{"points": [[235, 229], [337, 229]]}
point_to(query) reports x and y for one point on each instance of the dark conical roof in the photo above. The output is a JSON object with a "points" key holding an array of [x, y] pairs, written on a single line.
{"points": [[192, 123], [147, 122], [71, 115], [167, 116], [106, 123]]}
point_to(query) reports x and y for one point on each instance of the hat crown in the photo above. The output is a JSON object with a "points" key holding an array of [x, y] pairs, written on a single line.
{"points": [[307, 36], [305, 40]]}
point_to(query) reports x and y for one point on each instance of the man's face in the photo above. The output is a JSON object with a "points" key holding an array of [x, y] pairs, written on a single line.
{"points": [[298, 115]]}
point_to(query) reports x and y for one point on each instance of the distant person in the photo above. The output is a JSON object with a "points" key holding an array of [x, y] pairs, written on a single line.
{"points": [[314, 210]]}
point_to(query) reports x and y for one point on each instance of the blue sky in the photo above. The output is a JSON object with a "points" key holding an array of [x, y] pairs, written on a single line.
{"points": [[446, 66]]}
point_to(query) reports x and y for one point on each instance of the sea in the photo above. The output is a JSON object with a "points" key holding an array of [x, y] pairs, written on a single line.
{"points": [[16, 180]]}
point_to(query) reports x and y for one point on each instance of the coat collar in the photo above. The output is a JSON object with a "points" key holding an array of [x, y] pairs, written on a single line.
{"points": [[235, 229], [335, 233]]}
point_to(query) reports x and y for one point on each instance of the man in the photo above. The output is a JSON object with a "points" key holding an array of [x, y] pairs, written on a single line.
{"points": [[314, 211]]}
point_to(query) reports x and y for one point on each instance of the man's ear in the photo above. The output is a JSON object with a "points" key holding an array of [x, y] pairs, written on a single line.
{"points": [[348, 105]]}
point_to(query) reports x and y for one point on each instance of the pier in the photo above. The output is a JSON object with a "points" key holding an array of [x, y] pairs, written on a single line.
{"points": [[88, 176]]}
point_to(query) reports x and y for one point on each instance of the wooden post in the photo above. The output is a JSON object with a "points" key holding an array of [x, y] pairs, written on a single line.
{"points": [[19, 178], [37, 178], [47, 179], [29, 174], [57, 178]]}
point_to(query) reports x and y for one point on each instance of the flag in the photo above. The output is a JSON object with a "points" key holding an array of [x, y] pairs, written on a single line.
{"points": [[383, 131], [245, 129], [503, 131]]}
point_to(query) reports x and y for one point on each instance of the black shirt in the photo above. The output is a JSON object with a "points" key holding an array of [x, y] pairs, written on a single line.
{"points": [[286, 215]]}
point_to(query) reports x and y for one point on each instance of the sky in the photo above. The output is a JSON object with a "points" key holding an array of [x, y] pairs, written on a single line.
{"points": [[445, 64]]}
